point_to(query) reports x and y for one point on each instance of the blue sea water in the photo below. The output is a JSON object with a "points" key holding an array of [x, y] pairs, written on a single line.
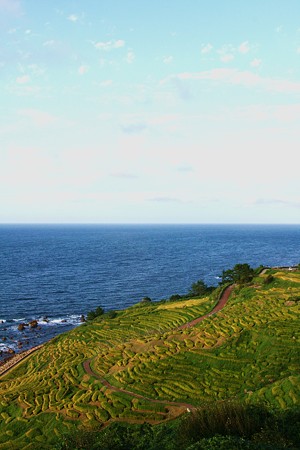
{"points": [[63, 271]]}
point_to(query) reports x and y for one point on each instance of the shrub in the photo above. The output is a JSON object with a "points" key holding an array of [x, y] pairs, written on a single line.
{"points": [[91, 315], [269, 279]]}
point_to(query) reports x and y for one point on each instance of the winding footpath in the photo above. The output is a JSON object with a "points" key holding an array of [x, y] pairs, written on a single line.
{"points": [[16, 359], [220, 305], [186, 406]]}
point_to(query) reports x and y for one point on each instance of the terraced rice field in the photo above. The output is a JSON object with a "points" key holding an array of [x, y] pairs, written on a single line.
{"points": [[143, 368]]}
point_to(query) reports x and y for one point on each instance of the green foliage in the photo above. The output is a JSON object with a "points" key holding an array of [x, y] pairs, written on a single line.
{"points": [[91, 315], [111, 314], [249, 351], [240, 274], [237, 426], [269, 279], [199, 289], [175, 297]]}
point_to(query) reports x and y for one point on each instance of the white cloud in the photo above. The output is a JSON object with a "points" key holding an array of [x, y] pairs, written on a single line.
{"points": [[125, 175], [72, 18], [10, 6], [106, 83], [277, 202], [134, 128], [130, 57], [167, 59], [165, 199], [23, 79], [227, 58], [244, 47], [243, 78], [37, 117], [255, 62], [110, 45], [206, 48], [49, 43], [83, 69]]}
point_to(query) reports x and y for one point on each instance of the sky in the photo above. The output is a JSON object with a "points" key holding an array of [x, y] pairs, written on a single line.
{"points": [[137, 111]]}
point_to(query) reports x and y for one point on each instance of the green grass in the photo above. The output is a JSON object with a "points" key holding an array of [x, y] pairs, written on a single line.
{"points": [[248, 352]]}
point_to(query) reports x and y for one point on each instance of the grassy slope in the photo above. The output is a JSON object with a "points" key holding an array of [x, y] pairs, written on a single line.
{"points": [[249, 351]]}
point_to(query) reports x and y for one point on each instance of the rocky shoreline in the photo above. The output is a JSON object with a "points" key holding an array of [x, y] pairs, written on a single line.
{"points": [[11, 361]]}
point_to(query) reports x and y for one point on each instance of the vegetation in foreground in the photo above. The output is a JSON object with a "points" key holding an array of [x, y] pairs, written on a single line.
{"points": [[146, 374]]}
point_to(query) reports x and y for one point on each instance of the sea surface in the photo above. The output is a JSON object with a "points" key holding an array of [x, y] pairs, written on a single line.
{"points": [[56, 273]]}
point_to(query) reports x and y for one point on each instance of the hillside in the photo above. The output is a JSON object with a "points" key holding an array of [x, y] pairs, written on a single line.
{"points": [[141, 366]]}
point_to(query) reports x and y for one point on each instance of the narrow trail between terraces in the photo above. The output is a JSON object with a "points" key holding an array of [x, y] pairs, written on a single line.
{"points": [[220, 305], [186, 406]]}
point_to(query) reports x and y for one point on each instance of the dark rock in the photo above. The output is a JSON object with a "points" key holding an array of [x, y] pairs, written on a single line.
{"points": [[21, 326], [82, 318], [33, 324]]}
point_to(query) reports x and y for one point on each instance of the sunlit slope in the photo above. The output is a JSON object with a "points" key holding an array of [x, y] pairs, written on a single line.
{"points": [[249, 350]]}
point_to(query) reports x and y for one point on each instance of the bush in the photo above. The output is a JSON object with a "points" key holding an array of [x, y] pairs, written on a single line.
{"points": [[175, 297], [199, 289], [91, 315], [226, 418], [269, 279], [240, 274]]}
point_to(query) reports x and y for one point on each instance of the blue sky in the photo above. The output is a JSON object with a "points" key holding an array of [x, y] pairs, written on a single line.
{"points": [[135, 111]]}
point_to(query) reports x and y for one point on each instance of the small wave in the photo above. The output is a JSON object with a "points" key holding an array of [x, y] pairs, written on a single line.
{"points": [[52, 321], [6, 347], [19, 320], [2, 321]]}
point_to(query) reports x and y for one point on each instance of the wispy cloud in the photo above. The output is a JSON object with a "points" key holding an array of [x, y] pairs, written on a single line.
{"points": [[277, 202], [130, 57], [243, 78], [134, 128], [110, 45], [83, 69], [23, 79], [206, 48], [106, 83], [244, 47], [125, 175], [185, 169], [182, 89], [72, 18], [10, 6], [37, 117], [256, 62], [226, 53], [165, 199], [168, 59]]}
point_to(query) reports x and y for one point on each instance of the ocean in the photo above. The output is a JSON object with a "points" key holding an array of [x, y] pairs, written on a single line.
{"points": [[56, 273]]}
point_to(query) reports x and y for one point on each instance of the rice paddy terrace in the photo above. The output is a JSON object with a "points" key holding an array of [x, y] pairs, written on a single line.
{"points": [[143, 366]]}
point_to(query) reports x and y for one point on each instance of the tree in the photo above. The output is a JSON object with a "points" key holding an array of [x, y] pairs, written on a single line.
{"points": [[91, 315], [199, 289], [240, 274]]}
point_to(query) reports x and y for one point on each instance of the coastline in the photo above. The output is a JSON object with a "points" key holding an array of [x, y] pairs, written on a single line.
{"points": [[12, 361]]}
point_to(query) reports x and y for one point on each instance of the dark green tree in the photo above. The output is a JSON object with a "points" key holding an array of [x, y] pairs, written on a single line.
{"points": [[240, 274], [91, 315], [199, 289]]}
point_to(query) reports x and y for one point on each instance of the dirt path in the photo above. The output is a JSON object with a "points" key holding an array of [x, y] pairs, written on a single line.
{"points": [[16, 359], [186, 406], [221, 303], [89, 370]]}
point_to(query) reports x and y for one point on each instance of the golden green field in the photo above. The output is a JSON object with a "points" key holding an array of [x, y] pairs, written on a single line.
{"points": [[140, 367]]}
